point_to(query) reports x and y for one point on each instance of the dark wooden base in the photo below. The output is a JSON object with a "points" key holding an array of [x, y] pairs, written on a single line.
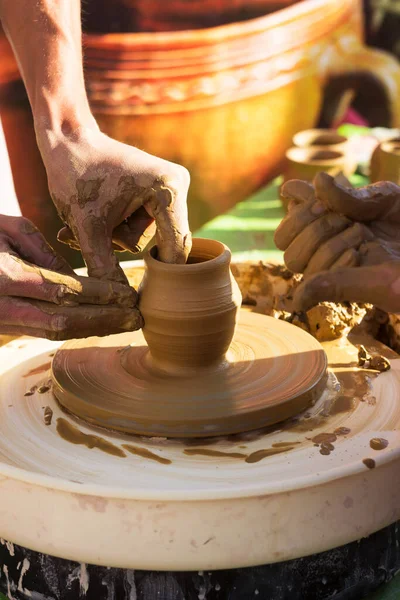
{"points": [[347, 573]]}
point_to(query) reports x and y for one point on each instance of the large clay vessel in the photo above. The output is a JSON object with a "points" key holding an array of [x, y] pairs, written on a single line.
{"points": [[190, 310], [173, 15], [226, 101]]}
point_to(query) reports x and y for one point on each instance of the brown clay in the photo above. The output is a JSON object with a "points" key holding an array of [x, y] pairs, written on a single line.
{"points": [[186, 383], [385, 162], [190, 311], [378, 443], [305, 163]]}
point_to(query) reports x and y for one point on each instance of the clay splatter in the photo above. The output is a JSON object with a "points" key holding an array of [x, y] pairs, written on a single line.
{"points": [[378, 443], [255, 457], [342, 431], [48, 415], [43, 389], [31, 391], [72, 434], [38, 370], [324, 438], [326, 448], [217, 453], [144, 453], [369, 463]]}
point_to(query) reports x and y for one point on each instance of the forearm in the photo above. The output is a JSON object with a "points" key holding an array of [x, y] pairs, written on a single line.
{"points": [[46, 37]]}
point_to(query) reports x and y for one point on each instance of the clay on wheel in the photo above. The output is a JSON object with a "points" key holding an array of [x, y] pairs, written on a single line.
{"points": [[272, 371]]}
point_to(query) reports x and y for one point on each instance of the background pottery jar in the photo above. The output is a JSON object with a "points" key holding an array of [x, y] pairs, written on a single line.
{"points": [[305, 163], [190, 310], [323, 139], [385, 162]]}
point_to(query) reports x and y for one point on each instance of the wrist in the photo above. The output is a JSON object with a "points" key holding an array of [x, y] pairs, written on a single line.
{"points": [[62, 123]]}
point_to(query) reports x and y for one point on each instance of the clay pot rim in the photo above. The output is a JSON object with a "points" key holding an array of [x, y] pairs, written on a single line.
{"points": [[391, 146], [299, 12], [309, 138], [222, 258], [305, 155]]}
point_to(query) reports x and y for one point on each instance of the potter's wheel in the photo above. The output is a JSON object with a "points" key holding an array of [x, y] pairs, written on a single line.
{"points": [[272, 371], [242, 500]]}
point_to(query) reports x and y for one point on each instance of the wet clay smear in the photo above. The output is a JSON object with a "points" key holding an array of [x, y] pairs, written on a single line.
{"points": [[38, 370], [369, 463], [255, 457], [324, 441], [378, 443], [144, 453], [72, 434], [43, 389], [48, 416], [216, 453]]}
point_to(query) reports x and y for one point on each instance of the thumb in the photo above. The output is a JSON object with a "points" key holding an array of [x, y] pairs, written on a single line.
{"points": [[97, 250], [368, 203], [378, 285]]}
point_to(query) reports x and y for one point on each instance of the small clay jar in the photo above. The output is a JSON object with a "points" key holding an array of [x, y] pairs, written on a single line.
{"points": [[385, 162], [323, 139], [305, 163], [190, 310]]}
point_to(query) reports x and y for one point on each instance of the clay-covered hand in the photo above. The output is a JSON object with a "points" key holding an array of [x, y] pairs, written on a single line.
{"points": [[41, 296], [346, 241], [114, 196]]}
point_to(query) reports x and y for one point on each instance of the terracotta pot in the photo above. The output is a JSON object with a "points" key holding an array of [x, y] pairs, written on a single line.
{"points": [[190, 311], [385, 162], [156, 15], [226, 101], [305, 163], [320, 138]]}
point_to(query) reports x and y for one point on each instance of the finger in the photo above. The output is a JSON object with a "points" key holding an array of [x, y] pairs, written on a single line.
{"points": [[19, 278], [33, 317], [304, 246], [350, 258], [95, 243], [173, 237], [136, 232], [329, 252], [294, 223], [376, 253], [374, 285], [33, 247], [377, 201], [65, 236], [298, 191]]}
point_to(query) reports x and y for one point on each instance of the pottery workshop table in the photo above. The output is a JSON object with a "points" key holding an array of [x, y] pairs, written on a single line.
{"points": [[248, 230]]}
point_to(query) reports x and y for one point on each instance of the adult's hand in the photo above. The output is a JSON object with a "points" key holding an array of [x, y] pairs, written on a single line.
{"points": [[114, 196], [344, 240], [41, 296], [106, 192]]}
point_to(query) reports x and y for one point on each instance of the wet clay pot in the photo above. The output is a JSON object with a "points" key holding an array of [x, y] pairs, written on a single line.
{"points": [[190, 311], [226, 101], [385, 162], [305, 163]]}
